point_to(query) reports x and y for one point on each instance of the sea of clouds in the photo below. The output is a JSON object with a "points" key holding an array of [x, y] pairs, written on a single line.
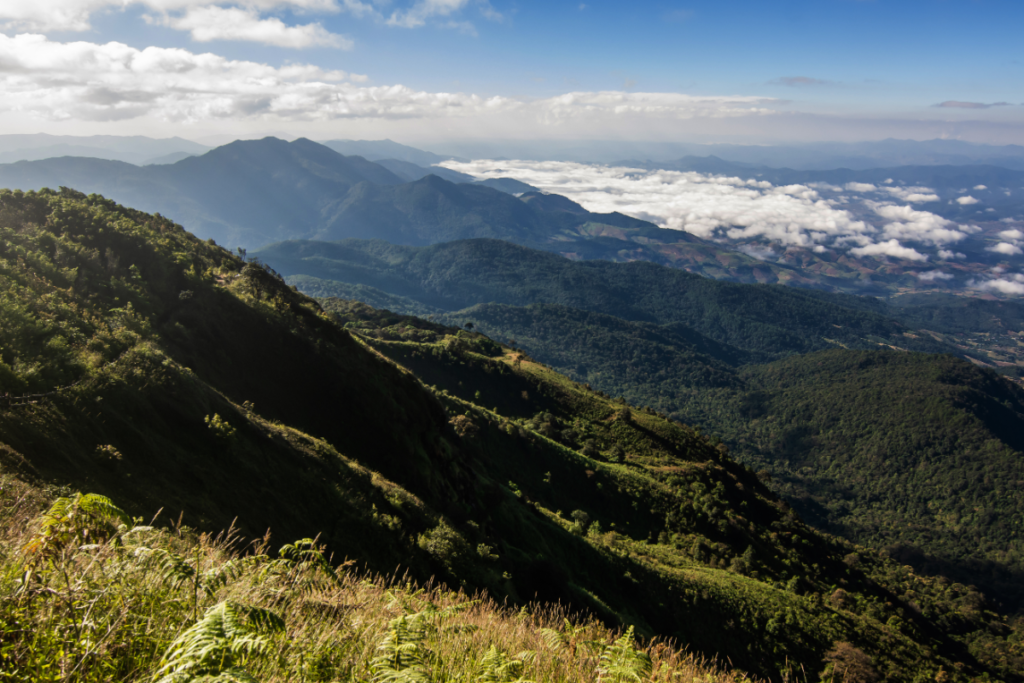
{"points": [[860, 218], [734, 209]]}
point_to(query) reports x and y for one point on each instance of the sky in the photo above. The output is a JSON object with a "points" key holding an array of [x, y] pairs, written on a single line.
{"points": [[425, 71]]}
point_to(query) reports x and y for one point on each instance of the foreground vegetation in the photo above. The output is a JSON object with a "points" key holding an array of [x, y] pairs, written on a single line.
{"points": [[162, 371], [90, 595]]}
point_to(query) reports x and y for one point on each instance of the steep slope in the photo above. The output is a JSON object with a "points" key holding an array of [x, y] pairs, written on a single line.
{"points": [[146, 364], [918, 454], [766, 320], [922, 455]]}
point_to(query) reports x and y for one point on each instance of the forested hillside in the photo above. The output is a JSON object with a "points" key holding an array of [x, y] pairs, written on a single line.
{"points": [[768, 321], [165, 372]]}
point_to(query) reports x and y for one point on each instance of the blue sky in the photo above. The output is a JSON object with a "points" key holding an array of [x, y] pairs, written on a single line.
{"points": [[419, 70]]}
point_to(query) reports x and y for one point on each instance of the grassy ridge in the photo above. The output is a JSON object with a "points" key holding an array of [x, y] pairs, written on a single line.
{"points": [[158, 604]]}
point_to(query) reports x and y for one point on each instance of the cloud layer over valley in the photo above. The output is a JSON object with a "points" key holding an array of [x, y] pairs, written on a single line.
{"points": [[859, 216], [883, 220]]}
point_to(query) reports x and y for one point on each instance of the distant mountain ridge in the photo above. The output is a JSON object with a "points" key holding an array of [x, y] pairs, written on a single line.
{"points": [[256, 192], [134, 149]]}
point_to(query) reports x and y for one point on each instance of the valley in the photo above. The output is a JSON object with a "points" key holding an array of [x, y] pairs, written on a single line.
{"points": [[491, 393]]}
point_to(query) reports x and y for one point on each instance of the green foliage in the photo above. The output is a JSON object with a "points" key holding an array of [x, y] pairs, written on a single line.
{"points": [[764, 321], [73, 521], [220, 427], [621, 662], [219, 644], [389, 480]]}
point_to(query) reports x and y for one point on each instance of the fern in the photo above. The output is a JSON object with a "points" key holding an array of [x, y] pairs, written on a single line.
{"points": [[171, 568], [496, 667], [217, 646], [621, 662], [307, 552], [76, 521], [567, 640], [403, 657]]}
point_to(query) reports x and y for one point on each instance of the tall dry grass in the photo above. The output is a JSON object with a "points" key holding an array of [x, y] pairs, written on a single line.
{"points": [[89, 598]]}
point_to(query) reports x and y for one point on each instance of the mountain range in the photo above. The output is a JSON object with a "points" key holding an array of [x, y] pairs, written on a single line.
{"points": [[252, 193], [163, 371]]}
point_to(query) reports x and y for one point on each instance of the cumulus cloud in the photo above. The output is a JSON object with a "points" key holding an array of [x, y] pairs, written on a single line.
{"points": [[914, 195], [956, 104], [1011, 235], [966, 201], [75, 15], [920, 226], [232, 23], [946, 254], [980, 187], [195, 16], [108, 82], [1000, 285], [860, 187], [713, 207], [113, 81], [1006, 249], [933, 275], [890, 248], [733, 209]]}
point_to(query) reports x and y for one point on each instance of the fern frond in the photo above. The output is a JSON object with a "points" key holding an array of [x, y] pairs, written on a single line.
{"points": [[621, 662], [172, 569], [553, 640], [307, 552], [496, 667], [213, 647], [70, 521]]}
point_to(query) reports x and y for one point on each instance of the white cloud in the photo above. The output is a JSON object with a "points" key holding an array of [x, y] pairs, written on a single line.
{"points": [[1011, 235], [918, 226], [219, 23], [82, 81], [1006, 248], [861, 187], [890, 248], [966, 201], [91, 82], [75, 15], [1000, 285], [980, 187], [913, 194], [933, 275], [906, 194], [419, 13], [825, 186], [946, 254], [713, 207]]}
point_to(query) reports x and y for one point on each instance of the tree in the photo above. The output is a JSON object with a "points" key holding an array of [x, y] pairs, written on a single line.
{"points": [[848, 664]]}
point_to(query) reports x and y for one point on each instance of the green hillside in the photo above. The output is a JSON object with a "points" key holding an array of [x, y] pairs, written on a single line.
{"points": [[166, 373], [920, 454], [768, 321]]}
